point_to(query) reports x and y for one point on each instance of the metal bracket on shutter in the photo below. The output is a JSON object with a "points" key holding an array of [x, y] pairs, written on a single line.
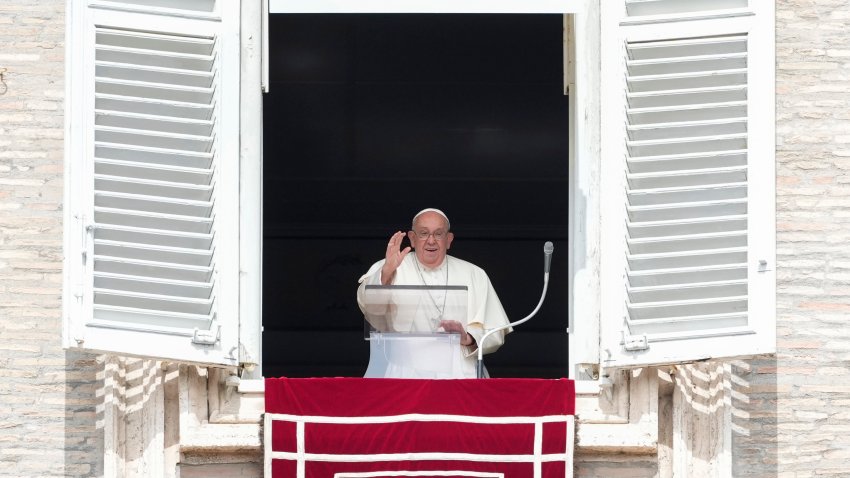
{"points": [[87, 235], [207, 337], [635, 343]]}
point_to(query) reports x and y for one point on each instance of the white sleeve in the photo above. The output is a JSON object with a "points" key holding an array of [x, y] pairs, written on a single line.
{"points": [[371, 277], [487, 314]]}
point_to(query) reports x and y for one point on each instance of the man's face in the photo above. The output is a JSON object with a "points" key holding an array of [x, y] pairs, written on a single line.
{"points": [[430, 249]]}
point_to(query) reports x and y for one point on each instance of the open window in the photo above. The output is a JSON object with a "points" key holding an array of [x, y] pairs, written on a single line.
{"points": [[673, 186], [371, 117], [152, 176]]}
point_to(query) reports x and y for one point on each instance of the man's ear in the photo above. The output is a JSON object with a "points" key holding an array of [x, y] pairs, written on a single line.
{"points": [[410, 236], [449, 238]]}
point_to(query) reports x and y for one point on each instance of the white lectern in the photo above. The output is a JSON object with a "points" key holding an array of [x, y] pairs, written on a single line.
{"points": [[405, 329]]}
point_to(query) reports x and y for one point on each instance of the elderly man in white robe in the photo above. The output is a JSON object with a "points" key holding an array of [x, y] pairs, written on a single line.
{"points": [[430, 265]]}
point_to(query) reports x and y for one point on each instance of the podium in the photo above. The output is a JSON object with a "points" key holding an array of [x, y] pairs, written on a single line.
{"points": [[406, 326]]}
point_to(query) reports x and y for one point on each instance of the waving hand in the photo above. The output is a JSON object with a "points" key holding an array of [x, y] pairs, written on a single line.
{"points": [[394, 258]]}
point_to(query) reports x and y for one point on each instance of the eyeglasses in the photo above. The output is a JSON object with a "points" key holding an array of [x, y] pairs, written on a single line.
{"points": [[439, 235]]}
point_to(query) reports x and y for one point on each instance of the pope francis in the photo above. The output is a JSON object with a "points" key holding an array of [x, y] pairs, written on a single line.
{"points": [[430, 265]]}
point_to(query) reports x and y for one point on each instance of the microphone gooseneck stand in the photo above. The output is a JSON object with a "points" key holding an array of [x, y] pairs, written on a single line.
{"points": [[547, 258]]}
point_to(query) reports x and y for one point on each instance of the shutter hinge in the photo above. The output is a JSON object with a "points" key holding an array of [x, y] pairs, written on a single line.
{"points": [[206, 337], [634, 343], [87, 230], [78, 334]]}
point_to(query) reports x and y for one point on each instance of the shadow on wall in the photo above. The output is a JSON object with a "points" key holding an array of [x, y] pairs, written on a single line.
{"points": [[83, 436], [123, 417], [755, 417], [722, 415], [115, 415]]}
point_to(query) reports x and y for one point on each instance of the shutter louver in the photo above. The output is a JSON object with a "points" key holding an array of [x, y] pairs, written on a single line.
{"points": [[637, 8], [157, 176], [686, 114], [686, 270], [184, 5], [153, 234]]}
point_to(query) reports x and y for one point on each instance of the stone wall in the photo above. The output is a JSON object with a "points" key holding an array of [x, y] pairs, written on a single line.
{"points": [[813, 231], [47, 396]]}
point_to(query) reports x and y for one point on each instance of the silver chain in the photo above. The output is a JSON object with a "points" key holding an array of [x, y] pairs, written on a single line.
{"points": [[445, 292]]}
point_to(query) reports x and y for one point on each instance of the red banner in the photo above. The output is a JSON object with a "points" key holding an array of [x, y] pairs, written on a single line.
{"points": [[363, 428]]}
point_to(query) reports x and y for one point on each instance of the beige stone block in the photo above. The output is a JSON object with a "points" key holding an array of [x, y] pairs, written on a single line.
{"points": [[16, 117], [800, 291], [39, 362], [18, 57], [799, 370], [47, 387], [818, 388], [814, 114], [21, 182], [56, 168], [769, 389], [9, 346], [825, 306], [825, 180], [796, 426], [21, 155], [799, 343], [11, 373], [804, 415], [39, 265], [35, 336], [44, 106], [835, 346], [12, 400], [806, 226], [46, 454], [794, 474], [808, 165], [77, 469], [806, 402]]}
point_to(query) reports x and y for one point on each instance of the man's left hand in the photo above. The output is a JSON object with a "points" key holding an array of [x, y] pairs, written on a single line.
{"points": [[455, 326]]}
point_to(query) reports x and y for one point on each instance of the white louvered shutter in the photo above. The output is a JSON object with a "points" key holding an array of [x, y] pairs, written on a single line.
{"points": [[687, 180], [153, 170]]}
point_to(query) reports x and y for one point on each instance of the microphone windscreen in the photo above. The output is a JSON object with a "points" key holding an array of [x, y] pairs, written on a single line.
{"points": [[547, 256]]}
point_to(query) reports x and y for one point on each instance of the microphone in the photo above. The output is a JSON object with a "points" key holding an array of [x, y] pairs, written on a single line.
{"points": [[547, 256]]}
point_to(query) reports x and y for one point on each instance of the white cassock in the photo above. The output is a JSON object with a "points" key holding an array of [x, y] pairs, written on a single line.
{"points": [[483, 312]]}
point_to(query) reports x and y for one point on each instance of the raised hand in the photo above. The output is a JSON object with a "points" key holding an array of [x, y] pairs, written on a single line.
{"points": [[394, 258]]}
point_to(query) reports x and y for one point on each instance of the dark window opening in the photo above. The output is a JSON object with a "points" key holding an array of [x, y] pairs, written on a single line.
{"points": [[373, 117]]}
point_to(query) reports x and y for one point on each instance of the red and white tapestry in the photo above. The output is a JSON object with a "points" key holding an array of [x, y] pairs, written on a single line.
{"points": [[363, 428]]}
